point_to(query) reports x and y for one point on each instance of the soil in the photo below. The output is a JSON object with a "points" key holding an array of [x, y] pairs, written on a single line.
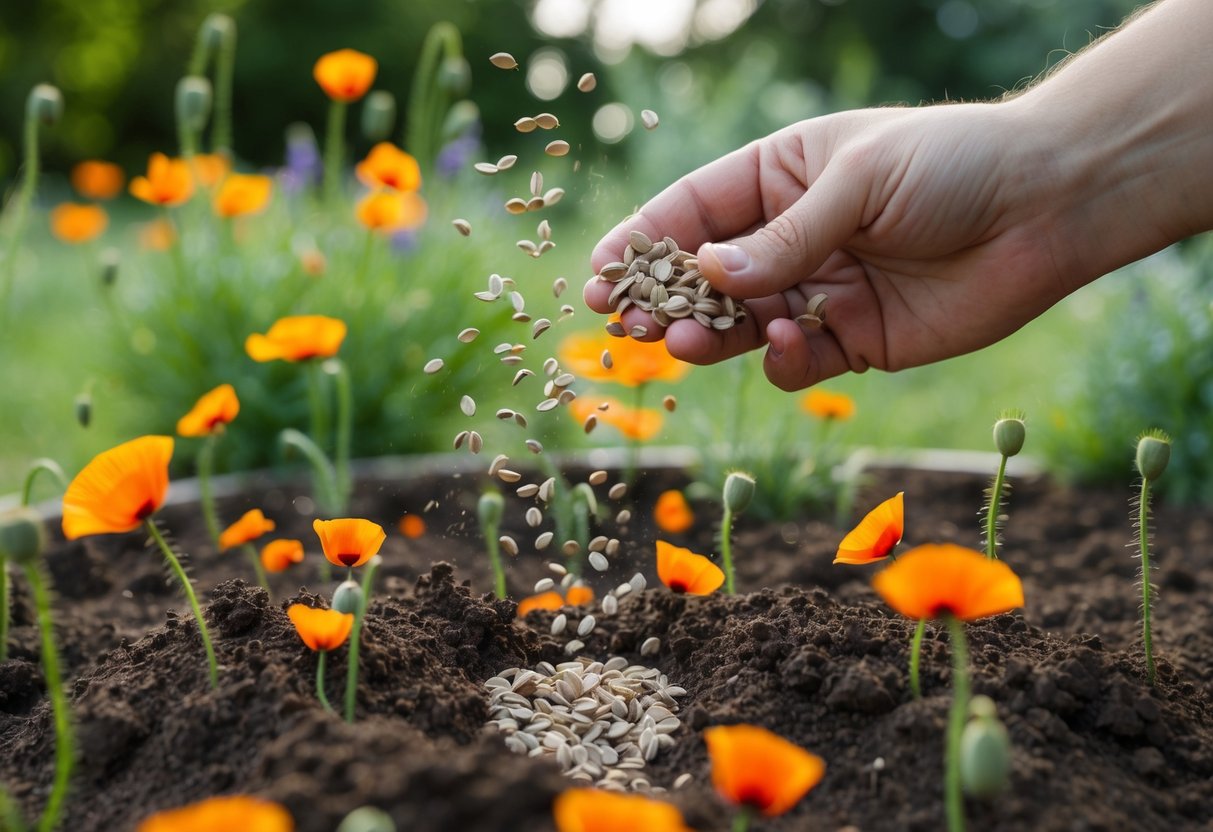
{"points": [[805, 649]]}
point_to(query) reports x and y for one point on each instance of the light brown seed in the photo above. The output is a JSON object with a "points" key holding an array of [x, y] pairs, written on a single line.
{"points": [[649, 119], [433, 365], [541, 326], [527, 491], [526, 124], [495, 465], [468, 335], [506, 475], [506, 162], [521, 317], [544, 230], [527, 246], [534, 517], [669, 403], [597, 478], [570, 547], [590, 423], [639, 241], [468, 405], [544, 540], [607, 361], [534, 446], [508, 545], [475, 442], [557, 148], [547, 121], [536, 184], [487, 168], [616, 329], [565, 311], [462, 226], [516, 206], [520, 420], [587, 82], [553, 196], [618, 490], [520, 375], [460, 438], [503, 60], [535, 203], [623, 517], [558, 286]]}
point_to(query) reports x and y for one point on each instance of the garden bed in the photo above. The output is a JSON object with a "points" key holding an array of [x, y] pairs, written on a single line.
{"points": [[805, 650]]}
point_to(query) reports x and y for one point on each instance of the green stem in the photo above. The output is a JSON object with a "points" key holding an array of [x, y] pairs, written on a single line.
{"points": [[187, 139], [562, 502], [319, 427], [176, 250], [351, 678], [726, 550], [41, 464], [956, 723], [255, 560], [206, 463], [325, 478], [427, 102], [198, 58], [9, 818], [4, 610], [345, 415], [320, 694], [225, 61], [494, 550], [364, 259], [64, 756], [1143, 536], [175, 565], [741, 821], [992, 512], [629, 474], [916, 657], [25, 197], [334, 151]]}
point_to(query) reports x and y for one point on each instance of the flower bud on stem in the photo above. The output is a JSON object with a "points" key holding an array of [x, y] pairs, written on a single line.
{"points": [[1009, 434], [1153, 454], [738, 492]]}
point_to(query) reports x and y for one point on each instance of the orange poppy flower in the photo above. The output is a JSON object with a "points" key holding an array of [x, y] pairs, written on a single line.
{"points": [[221, 814], [753, 767], [578, 595], [349, 542], [345, 75], [595, 810], [241, 195], [98, 180], [390, 211], [388, 166], [673, 514], [278, 555], [945, 579], [248, 528], [209, 168], [543, 601], [876, 535], [75, 223], [412, 526], [632, 362], [684, 571], [168, 182], [211, 412], [156, 235], [641, 424], [119, 489], [297, 339], [828, 406], [321, 629]]}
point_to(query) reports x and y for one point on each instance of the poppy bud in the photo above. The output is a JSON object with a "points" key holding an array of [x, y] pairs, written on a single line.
{"points": [[738, 491], [193, 101], [367, 819], [84, 409], [45, 105], [1009, 434], [348, 597], [215, 30], [490, 509], [455, 75], [378, 115], [22, 536], [1153, 454], [985, 751], [110, 259]]}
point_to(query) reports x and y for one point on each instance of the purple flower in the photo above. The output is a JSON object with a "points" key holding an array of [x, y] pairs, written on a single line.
{"points": [[455, 154], [303, 167]]}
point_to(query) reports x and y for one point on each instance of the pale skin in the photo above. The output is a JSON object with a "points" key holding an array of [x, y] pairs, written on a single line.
{"points": [[936, 231]]}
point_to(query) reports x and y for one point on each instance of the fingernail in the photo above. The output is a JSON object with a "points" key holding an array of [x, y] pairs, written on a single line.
{"points": [[731, 258]]}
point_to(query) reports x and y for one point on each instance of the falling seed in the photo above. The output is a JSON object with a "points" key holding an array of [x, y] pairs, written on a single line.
{"points": [[520, 375], [598, 561], [537, 184], [541, 326], [591, 422], [566, 396], [649, 119], [669, 403], [506, 162], [526, 124], [519, 419], [587, 82], [430, 506], [570, 547], [598, 543], [462, 226], [487, 168], [528, 490], [559, 285], [506, 475], [564, 380], [433, 365], [544, 584], [534, 203], [557, 148], [610, 605], [558, 569], [460, 438], [683, 780], [650, 646], [622, 518], [516, 206], [508, 545], [544, 540], [547, 404], [618, 490], [574, 646], [547, 121], [534, 517], [522, 318], [547, 489], [503, 60], [638, 582], [597, 478], [586, 626], [534, 446], [468, 335], [612, 547], [544, 230], [559, 622], [550, 366], [565, 311], [517, 301], [475, 442], [468, 405], [638, 331], [495, 465], [553, 196], [623, 589], [527, 246], [604, 407], [487, 297], [616, 329]]}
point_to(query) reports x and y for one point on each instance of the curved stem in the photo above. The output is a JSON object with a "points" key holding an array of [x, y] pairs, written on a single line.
{"points": [[334, 151], [345, 415], [956, 723], [175, 565], [255, 560], [206, 463], [25, 197], [993, 509], [176, 248], [726, 550], [41, 464], [221, 133], [494, 550], [916, 657], [320, 694], [319, 427], [427, 102], [9, 816], [1143, 538], [64, 756], [322, 469], [351, 677], [629, 474]]}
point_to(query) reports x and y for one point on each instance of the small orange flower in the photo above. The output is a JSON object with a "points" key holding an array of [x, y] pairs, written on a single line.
{"points": [[412, 526], [168, 182], [209, 168], [321, 629], [241, 195], [157, 235], [543, 601], [297, 338], [98, 180], [632, 362], [641, 424], [828, 406], [345, 75], [753, 767], [945, 579], [222, 814], [119, 489], [391, 211], [245, 530], [684, 571], [595, 810], [75, 223], [388, 166], [349, 542], [214, 410], [876, 535], [278, 555], [672, 514], [578, 595]]}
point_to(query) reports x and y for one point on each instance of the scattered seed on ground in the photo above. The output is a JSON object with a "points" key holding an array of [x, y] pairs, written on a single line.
{"points": [[508, 545], [574, 646], [683, 780], [559, 622], [587, 82], [433, 365], [649, 119], [669, 403], [468, 405], [598, 544], [462, 226], [586, 626], [618, 490], [503, 60], [557, 148], [638, 582], [599, 562], [612, 547], [544, 540], [650, 646], [610, 605]]}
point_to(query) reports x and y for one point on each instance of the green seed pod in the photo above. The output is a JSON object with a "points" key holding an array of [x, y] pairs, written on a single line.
{"points": [[193, 101], [110, 259], [1153, 454], [985, 752], [367, 819], [490, 509], [215, 30], [84, 409], [378, 115], [22, 535], [1009, 434], [348, 597], [738, 491], [461, 116], [455, 76], [44, 105]]}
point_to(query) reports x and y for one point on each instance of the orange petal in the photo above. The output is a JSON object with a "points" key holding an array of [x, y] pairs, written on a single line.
{"points": [[684, 571], [639, 424], [119, 489], [209, 168], [95, 179], [216, 408], [876, 535], [632, 362], [673, 514], [321, 629], [754, 768], [388, 166], [278, 555], [592, 810], [345, 75], [349, 542], [76, 224], [297, 338], [829, 406], [543, 601], [248, 528], [391, 211], [936, 580], [241, 195], [412, 526], [221, 814], [579, 595], [168, 181]]}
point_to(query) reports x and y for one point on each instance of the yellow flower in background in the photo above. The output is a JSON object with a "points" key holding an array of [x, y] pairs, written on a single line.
{"points": [[252, 525], [828, 406], [388, 166], [243, 194], [632, 362], [74, 223], [390, 211], [641, 424], [222, 814], [297, 338], [168, 182], [95, 179], [345, 75]]}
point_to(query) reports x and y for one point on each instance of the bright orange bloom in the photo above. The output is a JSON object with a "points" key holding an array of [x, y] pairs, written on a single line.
{"points": [[632, 362], [578, 595], [297, 339], [673, 514], [168, 182], [412, 526], [684, 571], [391, 211], [245, 530], [345, 75], [388, 166], [75, 223], [321, 629], [119, 489], [754, 768], [98, 180], [829, 406], [542, 601], [641, 424], [278, 555], [157, 235], [349, 542], [214, 410], [595, 810], [222, 814], [209, 168], [936, 580], [876, 535], [241, 195]]}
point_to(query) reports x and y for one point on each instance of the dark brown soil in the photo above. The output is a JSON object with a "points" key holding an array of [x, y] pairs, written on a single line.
{"points": [[806, 651]]}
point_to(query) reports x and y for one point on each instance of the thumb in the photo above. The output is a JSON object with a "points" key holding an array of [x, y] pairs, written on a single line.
{"points": [[793, 245]]}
